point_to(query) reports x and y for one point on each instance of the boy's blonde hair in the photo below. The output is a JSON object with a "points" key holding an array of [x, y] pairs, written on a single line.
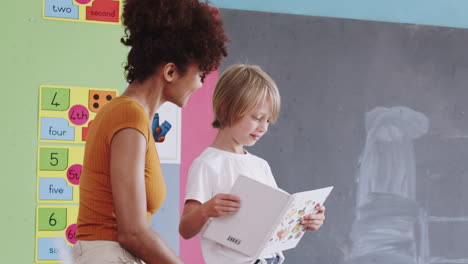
{"points": [[240, 89]]}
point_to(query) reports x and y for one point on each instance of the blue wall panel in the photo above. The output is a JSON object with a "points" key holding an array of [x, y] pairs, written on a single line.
{"points": [[450, 13], [166, 220]]}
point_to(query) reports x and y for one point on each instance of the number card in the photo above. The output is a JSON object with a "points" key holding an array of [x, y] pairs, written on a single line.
{"points": [[55, 231], [58, 173], [90, 11], [66, 113]]}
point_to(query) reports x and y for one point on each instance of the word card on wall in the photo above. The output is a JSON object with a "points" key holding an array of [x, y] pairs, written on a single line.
{"points": [[90, 11]]}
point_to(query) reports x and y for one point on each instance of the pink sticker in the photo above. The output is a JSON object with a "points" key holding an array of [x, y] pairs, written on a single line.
{"points": [[74, 174], [78, 115], [83, 2], [71, 234]]}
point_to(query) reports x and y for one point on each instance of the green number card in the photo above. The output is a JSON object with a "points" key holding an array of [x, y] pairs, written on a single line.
{"points": [[52, 219], [55, 99], [53, 159]]}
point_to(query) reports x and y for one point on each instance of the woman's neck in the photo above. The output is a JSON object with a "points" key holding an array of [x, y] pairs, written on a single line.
{"points": [[149, 94], [226, 142]]}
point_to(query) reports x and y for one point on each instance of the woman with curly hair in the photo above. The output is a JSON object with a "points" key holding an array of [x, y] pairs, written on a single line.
{"points": [[174, 45]]}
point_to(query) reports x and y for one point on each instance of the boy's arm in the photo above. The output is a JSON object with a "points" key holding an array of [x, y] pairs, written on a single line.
{"points": [[192, 219], [196, 214]]}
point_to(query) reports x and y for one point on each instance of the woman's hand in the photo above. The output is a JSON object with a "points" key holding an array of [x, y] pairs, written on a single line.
{"points": [[313, 222], [221, 204]]}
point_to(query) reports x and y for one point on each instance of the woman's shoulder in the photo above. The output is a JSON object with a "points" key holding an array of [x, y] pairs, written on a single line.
{"points": [[123, 110], [123, 104]]}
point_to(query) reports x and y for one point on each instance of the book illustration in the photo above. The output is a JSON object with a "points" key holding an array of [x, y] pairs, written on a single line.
{"points": [[298, 235], [291, 213], [296, 228], [291, 228], [302, 212], [282, 233]]}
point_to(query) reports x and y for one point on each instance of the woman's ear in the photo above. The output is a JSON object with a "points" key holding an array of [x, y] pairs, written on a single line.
{"points": [[170, 72]]}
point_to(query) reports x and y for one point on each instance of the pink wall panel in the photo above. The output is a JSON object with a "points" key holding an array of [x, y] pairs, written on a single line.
{"points": [[197, 134]]}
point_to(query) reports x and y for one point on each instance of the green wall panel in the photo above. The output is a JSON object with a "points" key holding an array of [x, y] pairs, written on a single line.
{"points": [[35, 51]]}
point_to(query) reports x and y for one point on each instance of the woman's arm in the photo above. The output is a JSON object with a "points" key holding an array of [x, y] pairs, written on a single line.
{"points": [[127, 167], [196, 214]]}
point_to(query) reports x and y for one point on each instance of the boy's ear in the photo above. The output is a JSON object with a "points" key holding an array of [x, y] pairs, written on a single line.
{"points": [[170, 72]]}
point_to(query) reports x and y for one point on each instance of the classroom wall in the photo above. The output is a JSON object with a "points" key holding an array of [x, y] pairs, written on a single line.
{"points": [[433, 12], [37, 51]]}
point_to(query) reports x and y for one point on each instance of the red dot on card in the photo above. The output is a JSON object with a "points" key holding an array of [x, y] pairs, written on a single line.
{"points": [[74, 174], [70, 234], [83, 2], [78, 115]]}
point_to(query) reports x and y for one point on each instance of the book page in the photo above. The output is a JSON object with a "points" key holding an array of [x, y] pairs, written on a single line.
{"points": [[290, 231], [245, 231]]}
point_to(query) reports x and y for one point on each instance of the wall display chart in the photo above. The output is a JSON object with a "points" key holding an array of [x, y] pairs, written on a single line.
{"points": [[65, 115]]}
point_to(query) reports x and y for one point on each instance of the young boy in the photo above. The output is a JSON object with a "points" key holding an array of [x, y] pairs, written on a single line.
{"points": [[245, 101]]}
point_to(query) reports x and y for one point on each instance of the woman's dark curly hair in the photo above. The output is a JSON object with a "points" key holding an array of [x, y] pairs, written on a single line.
{"points": [[178, 31]]}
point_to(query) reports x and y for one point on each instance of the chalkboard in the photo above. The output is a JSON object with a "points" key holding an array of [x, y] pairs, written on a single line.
{"points": [[380, 111]]}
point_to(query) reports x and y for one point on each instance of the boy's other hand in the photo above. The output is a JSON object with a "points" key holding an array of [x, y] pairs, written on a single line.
{"points": [[221, 204], [313, 222]]}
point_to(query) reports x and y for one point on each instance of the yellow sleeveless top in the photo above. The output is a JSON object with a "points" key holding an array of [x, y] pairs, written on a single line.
{"points": [[96, 217]]}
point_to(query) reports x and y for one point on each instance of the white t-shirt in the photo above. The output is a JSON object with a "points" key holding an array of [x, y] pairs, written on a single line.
{"points": [[213, 172]]}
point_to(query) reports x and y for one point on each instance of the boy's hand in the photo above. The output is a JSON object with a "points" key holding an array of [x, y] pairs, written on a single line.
{"points": [[220, 205], [314, 221]]}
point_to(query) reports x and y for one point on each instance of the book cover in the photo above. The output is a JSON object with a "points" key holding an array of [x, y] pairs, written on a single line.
{"points": [[267, 220]]}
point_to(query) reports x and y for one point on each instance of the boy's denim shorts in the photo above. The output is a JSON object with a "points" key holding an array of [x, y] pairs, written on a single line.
{"points": [[270, 260]]}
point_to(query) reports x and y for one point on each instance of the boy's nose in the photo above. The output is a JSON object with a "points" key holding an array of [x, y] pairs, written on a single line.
{"points": [[263, 127]]}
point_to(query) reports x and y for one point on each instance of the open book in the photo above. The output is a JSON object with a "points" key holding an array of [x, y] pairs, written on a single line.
{"points": [[268, 220]]}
